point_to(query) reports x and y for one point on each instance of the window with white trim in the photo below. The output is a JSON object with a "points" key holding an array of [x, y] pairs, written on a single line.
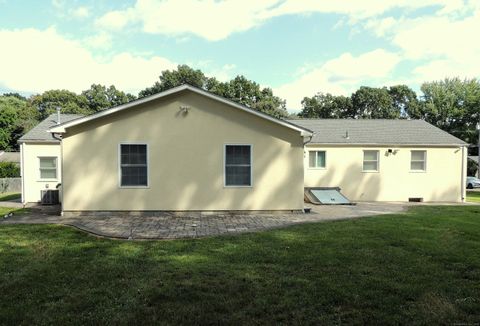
{"points": [[370, 161], [418, 161], [48, 168], [317, 159], [238, 165], [133, 165]]}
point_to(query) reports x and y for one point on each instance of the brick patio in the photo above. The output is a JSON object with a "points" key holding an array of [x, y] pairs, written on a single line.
{"points": [[197, 225]]}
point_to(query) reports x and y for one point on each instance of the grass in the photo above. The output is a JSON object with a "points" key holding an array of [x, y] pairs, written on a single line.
{"points": [[10, 196], [473, 196], [16, 211], [422, 267]]}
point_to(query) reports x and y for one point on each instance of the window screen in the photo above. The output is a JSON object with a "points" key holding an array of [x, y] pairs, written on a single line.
{"points": [[238, 168], [133, 165], [418, 161], [48, 167], [317, 159], [370, 160]]}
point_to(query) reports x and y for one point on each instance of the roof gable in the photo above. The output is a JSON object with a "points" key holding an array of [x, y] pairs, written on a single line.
{"points": [[61, 128]]}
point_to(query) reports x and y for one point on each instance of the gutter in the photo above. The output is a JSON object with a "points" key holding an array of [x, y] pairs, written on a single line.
{"points": [[383, 145]]}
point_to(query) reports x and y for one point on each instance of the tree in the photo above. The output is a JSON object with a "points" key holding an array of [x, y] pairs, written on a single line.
{"points": [[172, 78], [16, 117], [326, 106], [20, 97], [67, 101], [100, 97], [452, 105], [249, 93], [373, 103], [239, 89], [405, 101]]}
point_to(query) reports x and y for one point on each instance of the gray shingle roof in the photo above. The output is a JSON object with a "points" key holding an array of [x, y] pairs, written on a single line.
{"points": [[40, 132], [376, 131]]}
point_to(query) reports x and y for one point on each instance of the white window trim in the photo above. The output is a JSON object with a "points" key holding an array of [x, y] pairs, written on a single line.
{"points": [[40, 169], [424, 161], [378, 161], [225, 165], [119, 163], [316, 157]]}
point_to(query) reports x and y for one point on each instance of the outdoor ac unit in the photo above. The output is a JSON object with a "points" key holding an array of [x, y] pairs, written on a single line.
{"points": [[49, 197]]}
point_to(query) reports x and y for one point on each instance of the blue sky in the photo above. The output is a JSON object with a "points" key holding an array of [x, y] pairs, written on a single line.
{"points": [[296, 47]]}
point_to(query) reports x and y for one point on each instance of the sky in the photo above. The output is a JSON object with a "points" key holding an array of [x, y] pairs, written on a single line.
{"points": [[296, 47]]}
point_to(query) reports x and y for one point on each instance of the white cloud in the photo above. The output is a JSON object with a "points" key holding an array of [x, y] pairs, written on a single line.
{"points": [[115, 20], [38, 60], [216, 20], [81, 12], [101, 40], [447, 40], [213, 20], [341, 75]]}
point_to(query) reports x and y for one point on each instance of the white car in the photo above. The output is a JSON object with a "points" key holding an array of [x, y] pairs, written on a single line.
{"points": [[473, 182]]}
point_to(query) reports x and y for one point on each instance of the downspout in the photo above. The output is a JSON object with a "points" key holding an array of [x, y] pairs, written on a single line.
{"points": [[304, 156], [463, 177], [22, 173], [309, 140], [59, 138]]}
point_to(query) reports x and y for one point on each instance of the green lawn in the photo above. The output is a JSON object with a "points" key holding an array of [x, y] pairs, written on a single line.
{"points": [[17, 211], [9, 196], [473, 196], [422, 267]]}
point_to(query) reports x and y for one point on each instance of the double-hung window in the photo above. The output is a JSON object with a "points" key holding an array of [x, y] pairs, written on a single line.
{"points": [[48, 168], [370, 161], [317, 159], [418, 161], [238, 165], [133, 165]]}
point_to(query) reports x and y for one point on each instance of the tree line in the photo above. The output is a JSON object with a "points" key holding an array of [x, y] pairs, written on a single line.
{"points": [[451, 104]]}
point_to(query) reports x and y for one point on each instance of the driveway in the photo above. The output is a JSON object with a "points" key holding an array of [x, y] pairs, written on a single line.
{"points": [[199, 225]]}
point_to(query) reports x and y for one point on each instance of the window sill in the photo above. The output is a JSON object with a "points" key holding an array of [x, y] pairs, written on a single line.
{"points": [[317, 168], [47, 180], [225, 186], [363, 171], [418, 171], [133, 187]]}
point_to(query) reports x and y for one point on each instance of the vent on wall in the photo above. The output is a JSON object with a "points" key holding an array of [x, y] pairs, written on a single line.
{"points": [[49, 197], [415, 200]]}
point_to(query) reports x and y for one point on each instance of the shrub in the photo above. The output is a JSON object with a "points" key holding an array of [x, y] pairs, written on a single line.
{"points": [[471, 168], [9, 170]]}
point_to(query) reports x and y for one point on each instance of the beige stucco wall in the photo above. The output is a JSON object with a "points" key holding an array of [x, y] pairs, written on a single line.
{"points": [[186, 153], [442, 180], [32, 184]]}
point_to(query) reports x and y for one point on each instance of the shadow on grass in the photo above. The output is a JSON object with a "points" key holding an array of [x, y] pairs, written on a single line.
{"points": [[420, 267], [10, 196]]}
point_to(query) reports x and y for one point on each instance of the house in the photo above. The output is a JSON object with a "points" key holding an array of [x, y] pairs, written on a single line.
{"points": [[12, 157], [180, 150], [186, 149], [385, 160], [40, 155]]}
